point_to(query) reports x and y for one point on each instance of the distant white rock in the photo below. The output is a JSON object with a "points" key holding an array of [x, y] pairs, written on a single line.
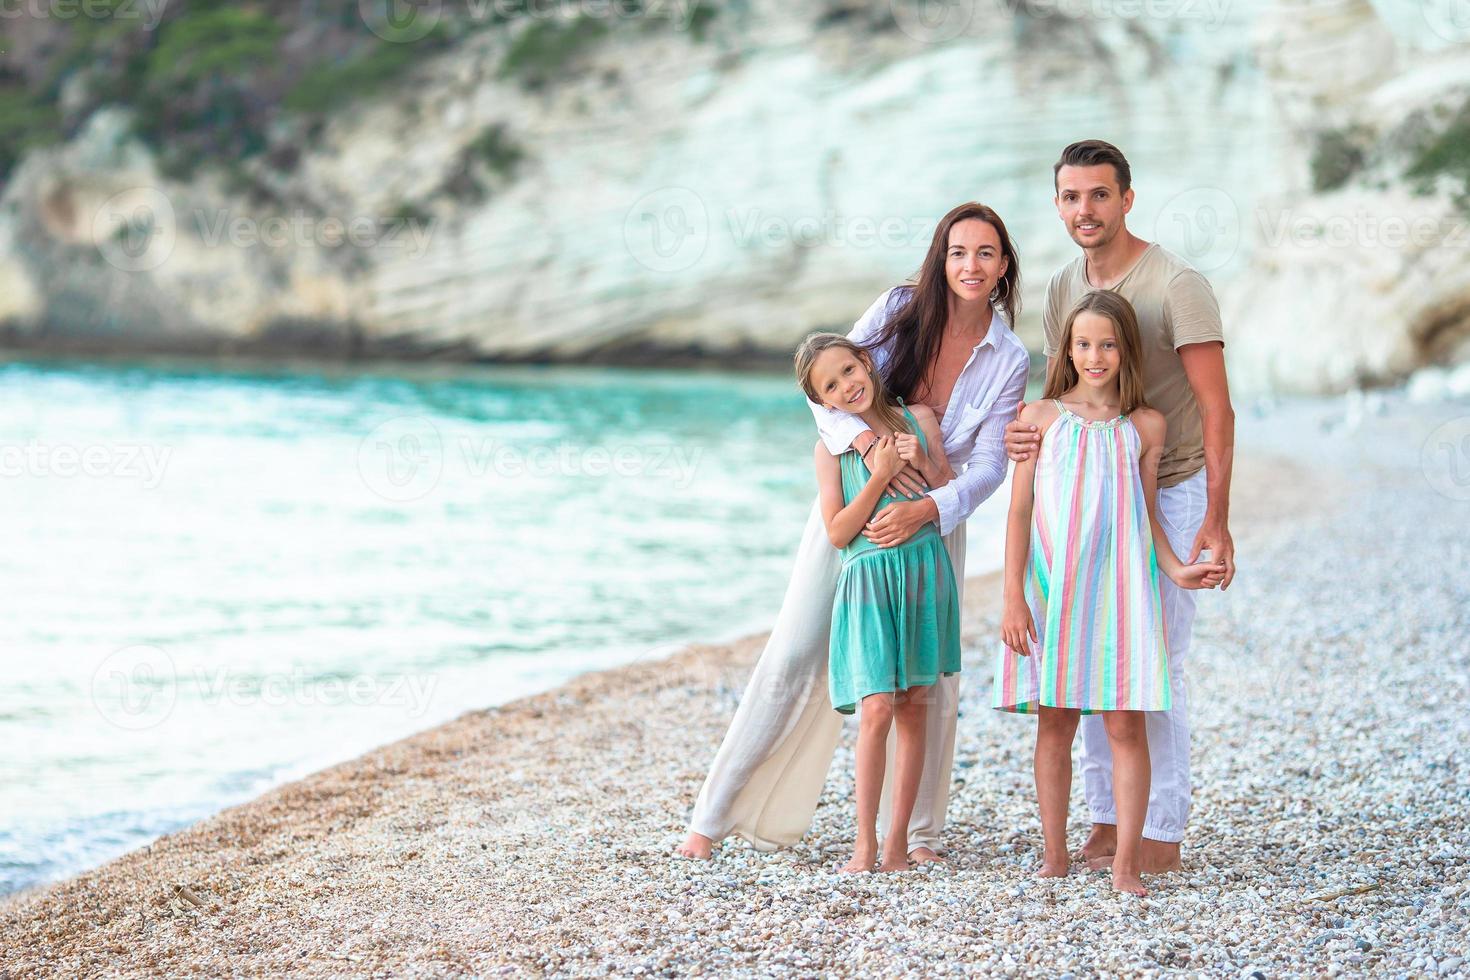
{"points": [[1429, 384], [728, 196]]}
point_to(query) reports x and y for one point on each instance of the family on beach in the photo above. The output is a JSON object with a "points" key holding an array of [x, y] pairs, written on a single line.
{"points": [[1118, 513]]}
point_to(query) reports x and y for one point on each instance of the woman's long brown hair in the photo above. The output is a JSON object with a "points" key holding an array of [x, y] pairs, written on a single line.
{"points": [[884, 401], [1062, 376], [914, 333]]}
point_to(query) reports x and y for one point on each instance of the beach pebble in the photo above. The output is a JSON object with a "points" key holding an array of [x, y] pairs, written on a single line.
{"points": [[1329, 833]]}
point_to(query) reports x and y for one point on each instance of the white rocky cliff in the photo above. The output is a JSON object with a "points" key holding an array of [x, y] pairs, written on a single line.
{"points": [[667, 197]]}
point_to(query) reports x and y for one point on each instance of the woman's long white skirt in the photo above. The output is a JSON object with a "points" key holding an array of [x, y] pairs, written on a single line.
{"points": [[771, 767]]}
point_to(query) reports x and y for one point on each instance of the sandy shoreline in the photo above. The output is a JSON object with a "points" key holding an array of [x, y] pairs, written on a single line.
{"points": [[535, 837]]}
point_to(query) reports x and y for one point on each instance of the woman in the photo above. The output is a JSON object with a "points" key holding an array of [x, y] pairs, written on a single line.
{"points": [[944, 341]]}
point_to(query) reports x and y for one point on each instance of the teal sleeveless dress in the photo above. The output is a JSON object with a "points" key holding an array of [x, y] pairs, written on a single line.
{"points": [[896, 617]]}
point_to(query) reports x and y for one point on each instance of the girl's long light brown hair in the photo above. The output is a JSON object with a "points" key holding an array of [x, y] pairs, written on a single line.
{"points": [[885, 403], [1062, 376]]}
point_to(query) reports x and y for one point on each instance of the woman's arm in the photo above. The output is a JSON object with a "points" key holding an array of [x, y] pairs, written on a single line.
{"points": [[844, 522], [985, 469]]}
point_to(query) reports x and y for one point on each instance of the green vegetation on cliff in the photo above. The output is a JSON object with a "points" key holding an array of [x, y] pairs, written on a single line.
{"points": [[216, 82], [1445, 156]]}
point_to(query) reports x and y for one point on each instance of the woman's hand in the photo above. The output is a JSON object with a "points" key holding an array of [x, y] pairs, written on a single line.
{"points": [[898, 522], [909, 483], [1017, 628]]}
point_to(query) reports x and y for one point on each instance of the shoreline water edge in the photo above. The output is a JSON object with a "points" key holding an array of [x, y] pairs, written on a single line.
{"points": [[537, 836]]}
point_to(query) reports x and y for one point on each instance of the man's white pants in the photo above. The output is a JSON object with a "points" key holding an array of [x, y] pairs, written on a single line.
{"points": [[1181, 510], [770, 769]]}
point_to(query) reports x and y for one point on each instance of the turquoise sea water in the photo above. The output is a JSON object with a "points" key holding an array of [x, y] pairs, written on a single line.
{"points": [[218, 579]]}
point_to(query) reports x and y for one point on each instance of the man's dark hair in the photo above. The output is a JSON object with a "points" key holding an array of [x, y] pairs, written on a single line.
{"points": [[1091, 153]]}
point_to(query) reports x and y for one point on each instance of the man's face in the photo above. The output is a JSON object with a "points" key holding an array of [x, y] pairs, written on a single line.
{"points": [[1090, 204]]}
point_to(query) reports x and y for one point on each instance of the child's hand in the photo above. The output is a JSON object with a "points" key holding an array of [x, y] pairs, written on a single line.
{"points": [[1017, 627], [910, 451], [1200, 575], [884, 461]]}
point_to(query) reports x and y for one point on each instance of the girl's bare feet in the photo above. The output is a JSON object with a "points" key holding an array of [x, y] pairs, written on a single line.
{"points": [[923, 855], [1128, 884], [1155, 858], [895, 860], [696, 846], [1054, 867], [864, 853]]}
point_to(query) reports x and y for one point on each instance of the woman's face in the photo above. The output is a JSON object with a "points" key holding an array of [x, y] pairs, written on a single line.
{"points": [[842, 380], [974, 263], [1094, 350]]}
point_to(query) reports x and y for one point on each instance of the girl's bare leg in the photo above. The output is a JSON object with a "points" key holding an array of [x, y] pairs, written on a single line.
{"points": [[874, 719], [1055, 730], [910, 711], [1129, 743]]}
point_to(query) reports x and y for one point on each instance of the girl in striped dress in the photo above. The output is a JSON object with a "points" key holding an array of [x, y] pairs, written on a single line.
{"points": [[1082, 622]]}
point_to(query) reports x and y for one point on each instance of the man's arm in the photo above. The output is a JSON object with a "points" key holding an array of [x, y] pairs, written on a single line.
{"points": [[1022, 439], [985, 469], [1204, 366]]}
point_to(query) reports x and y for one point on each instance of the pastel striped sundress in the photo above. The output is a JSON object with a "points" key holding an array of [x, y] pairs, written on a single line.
{"points": [[1092, 580]]}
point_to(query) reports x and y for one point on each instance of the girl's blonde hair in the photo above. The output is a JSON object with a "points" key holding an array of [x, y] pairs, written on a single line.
{"points": [[1062, 376], [885, 404]]}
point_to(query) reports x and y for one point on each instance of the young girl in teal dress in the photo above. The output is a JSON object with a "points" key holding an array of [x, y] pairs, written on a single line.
{"points": [[896, 616]]}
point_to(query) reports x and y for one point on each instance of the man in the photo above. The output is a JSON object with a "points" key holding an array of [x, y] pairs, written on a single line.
{"points": [[1184, 378]]}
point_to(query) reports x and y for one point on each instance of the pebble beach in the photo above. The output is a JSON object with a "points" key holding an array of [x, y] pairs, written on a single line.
{"points": [[1330, 832]]}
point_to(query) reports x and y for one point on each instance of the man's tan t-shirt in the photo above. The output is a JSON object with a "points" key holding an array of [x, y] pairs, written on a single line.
{"points": [[1175, 306]]}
